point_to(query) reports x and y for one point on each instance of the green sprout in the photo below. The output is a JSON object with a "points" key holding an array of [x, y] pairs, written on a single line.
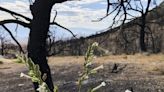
{"points": [[88, 69], [35, 75]]}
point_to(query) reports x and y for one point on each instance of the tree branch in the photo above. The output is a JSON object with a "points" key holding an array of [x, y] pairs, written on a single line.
{"points": [[14, 13], [15, 21], [20, 47], [55, 23]]}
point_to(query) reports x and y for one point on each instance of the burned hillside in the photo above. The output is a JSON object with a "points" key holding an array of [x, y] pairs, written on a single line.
{"points": [[118, 41]]}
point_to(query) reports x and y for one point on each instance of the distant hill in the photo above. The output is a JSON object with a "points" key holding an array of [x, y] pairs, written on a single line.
{"points": [[117, 41]]}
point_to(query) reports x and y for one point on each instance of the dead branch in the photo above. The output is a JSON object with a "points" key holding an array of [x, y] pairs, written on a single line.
{"points": [[14, 13], [55, 23], [20, 47], [15, 21]]}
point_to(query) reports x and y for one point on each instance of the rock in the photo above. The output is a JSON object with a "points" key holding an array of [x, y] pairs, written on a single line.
{"points": [[128, 90], [20, 85]]}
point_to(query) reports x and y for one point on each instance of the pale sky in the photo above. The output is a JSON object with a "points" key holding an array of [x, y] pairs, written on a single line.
{"points": [[75, 15]]}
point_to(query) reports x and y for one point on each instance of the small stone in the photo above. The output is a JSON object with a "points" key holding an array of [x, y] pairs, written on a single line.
{"points": [[20, 85], [128, 90], [159, 90]]}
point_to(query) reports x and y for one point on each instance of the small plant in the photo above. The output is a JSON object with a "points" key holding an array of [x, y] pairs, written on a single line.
{"points": [[35, 75], [88, 70], [20, 59]]}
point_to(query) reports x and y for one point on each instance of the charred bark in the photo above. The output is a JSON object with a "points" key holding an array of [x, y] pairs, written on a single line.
{"points": [[2, 47], [142, 34], [143, 26], [40, 10]]}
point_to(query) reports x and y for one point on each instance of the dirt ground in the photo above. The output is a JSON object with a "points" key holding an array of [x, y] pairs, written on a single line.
{"points": [[142, 73]]}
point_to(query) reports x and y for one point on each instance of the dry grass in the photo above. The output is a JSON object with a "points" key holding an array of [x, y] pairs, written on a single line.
{"points": [[137, 58], [154, 62], [151, 63], [65, 60], [6, 60], [9, 66]]}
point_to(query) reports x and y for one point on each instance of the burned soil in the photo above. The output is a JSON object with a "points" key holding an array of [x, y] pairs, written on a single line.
{"points": [[142, 74]]}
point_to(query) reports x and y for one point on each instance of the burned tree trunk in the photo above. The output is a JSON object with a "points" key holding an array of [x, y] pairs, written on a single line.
{"points": [[40, 10], [142, 34], [143, 26], [2, 46]]}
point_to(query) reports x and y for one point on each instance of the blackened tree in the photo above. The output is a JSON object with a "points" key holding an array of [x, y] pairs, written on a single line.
{"points": [[123, 10], [143, 10]]}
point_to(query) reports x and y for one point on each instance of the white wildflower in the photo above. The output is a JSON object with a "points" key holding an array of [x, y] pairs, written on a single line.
{"points": [[95, 44], [103, 84], [86, 77], [89, 64], [24, 75], [99, 86], [42, 88], [99, 67]]}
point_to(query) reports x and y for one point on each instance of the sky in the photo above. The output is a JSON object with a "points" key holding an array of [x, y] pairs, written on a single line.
{"points": [[77, 16]]}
